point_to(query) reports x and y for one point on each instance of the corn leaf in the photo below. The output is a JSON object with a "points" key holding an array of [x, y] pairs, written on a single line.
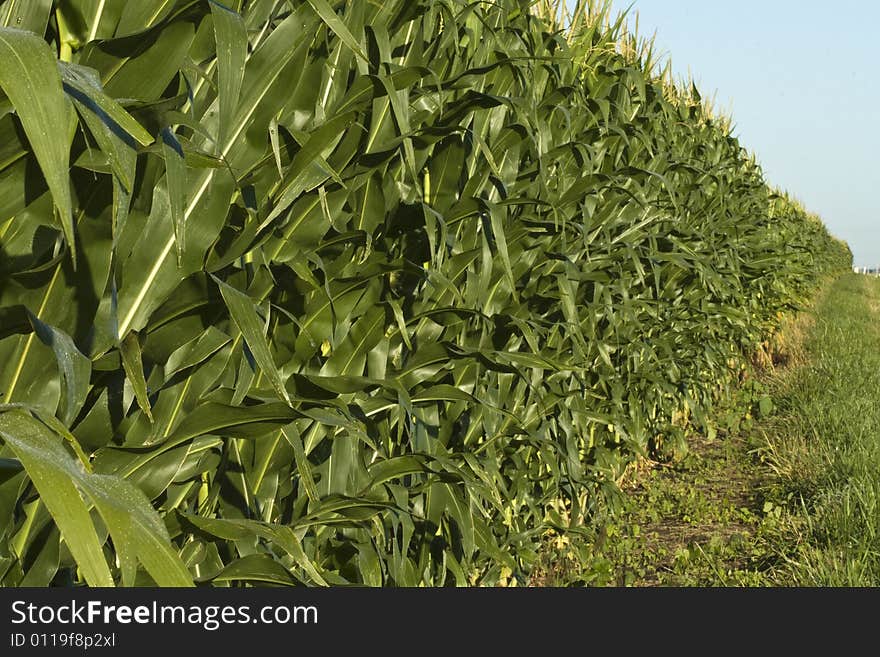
{"points": [[29, 77]]}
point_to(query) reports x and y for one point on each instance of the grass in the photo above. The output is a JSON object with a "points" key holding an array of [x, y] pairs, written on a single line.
{"points": [[786, 493], [826, 451]]}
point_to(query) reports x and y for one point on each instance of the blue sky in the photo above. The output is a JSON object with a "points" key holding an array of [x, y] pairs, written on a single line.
{"points": [[799, 79]]}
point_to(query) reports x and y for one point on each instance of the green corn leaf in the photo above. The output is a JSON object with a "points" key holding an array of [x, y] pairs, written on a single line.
{"points": [[54, 474], [255, 568], [137, 530], [396, 467], [230, 34], [244, 314], [195, 351], [180, 420], [283, 537], [30, 15], [84, 85], [82, 21], [175, 179], [332, 20], [45, 565], [121, 157], [276, 144], [113, 140], [292, 435], [139, 16], [297, 182], [132, 362], [29, 77], [264, 68], [75, 368]]}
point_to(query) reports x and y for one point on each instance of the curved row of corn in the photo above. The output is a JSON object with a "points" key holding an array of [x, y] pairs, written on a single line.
{"points": [[303, 291]]}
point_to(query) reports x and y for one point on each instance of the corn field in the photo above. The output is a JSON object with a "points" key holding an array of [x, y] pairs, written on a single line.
{"points": [[326, 292]]}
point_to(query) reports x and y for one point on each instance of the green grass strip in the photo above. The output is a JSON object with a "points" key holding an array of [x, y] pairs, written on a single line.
{"points": [[828, 455]]}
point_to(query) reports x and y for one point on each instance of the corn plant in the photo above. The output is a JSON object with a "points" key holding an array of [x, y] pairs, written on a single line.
{"points": [[323, 292]]}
